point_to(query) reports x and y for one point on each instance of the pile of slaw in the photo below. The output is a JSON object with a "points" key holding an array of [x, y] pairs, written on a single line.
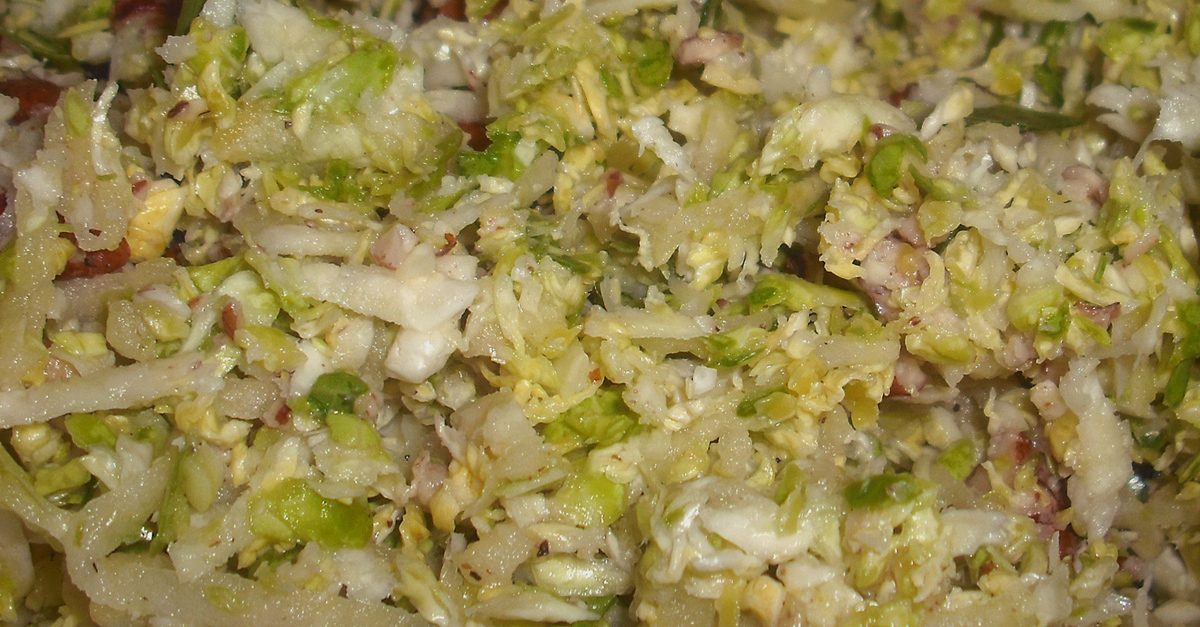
{"points": [[599, 312]]}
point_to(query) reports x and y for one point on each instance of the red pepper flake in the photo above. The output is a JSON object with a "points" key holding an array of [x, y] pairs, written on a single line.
{"points": [[451, 241], [1022, 447], [229, 318], [612, 181], [284, 415], [178, 109], [595, 376]]}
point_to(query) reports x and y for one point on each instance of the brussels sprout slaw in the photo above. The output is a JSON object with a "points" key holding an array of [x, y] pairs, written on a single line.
{"points": [[599, 312]]}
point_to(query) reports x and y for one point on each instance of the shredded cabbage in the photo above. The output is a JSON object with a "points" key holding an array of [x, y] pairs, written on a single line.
{"points": [[599, 312]]}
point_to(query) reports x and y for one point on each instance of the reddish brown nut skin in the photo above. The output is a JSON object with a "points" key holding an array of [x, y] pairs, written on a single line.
{"points": [[455, 10], [157, 13], [34, 96], [477, 137], [96, 262]]}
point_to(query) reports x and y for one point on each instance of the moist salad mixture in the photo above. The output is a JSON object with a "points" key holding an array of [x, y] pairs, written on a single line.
{"points": [[599, 313]]}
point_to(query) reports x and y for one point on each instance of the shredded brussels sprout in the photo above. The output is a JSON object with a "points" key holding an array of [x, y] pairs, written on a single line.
{"points": [[499, 313]]}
